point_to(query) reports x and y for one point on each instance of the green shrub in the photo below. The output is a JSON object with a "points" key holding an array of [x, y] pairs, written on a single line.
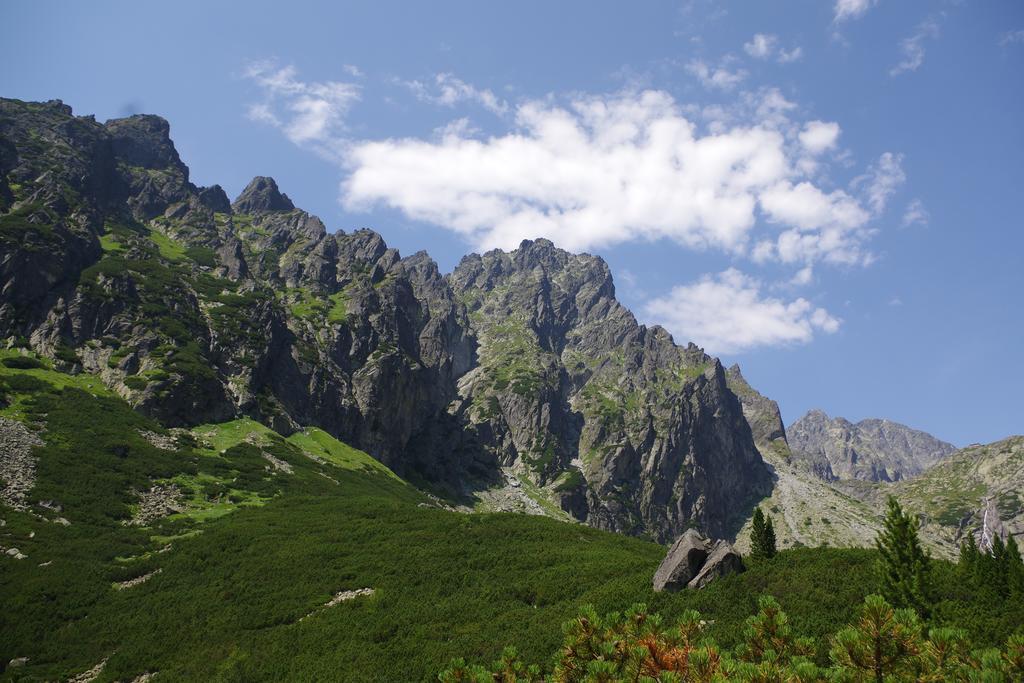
{"points": [[23, 362]]}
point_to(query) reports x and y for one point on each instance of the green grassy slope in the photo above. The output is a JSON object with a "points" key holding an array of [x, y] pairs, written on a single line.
{"points": [[233, 587]]}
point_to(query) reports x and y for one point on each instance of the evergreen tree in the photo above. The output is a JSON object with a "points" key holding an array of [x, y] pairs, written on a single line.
{"points": [[882, 645], [769, 537], [904, 567], [968, 562], [1015, 569], [1000, 567], [762, 536]]}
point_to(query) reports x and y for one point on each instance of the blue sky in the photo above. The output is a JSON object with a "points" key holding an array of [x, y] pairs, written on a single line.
{"points": [[827, 193]]}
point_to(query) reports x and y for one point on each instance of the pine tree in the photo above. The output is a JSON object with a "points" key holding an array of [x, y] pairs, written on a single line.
{"points": [[969, 553], [757, 535], [769, 537], [1015, 569], [904, 567], [762, 536], [1000, 567], [882, 645]]}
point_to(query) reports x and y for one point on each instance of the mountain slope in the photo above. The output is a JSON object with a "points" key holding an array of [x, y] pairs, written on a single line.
{"points": [[518, 371], [805, 510], [871, 450], [978, 490]]}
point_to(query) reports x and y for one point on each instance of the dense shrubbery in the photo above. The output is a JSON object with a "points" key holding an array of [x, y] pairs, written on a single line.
{"points": [[233, 588], [883, 644]]}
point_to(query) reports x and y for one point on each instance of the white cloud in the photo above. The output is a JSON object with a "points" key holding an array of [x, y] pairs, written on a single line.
{"points": [[881, 181], [726, 313], [718, 77], [607, 170], [308, 113], [913, 47], [766, 46], [761, 46], [447, 90], [852, 9], [785, 57], [1011, 37], [915, 214], [819, 136]]}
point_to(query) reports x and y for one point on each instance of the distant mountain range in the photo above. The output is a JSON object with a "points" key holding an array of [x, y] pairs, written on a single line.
{"points": [[871, 450]]}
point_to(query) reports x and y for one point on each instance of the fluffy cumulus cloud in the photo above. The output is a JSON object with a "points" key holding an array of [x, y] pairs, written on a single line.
{"points": [[748, 179], [311, 114], [727, 313], [913, 47], [766, 46], [607, 170], [852, 9], [819, 136]]}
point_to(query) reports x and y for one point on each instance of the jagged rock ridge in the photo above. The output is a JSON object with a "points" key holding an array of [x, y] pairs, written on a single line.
{"points": [[871, 450], [517, 367]]}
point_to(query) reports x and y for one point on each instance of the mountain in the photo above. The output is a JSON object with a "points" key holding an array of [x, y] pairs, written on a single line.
{"points": [[517, 381], [978, 490], [805, 510], [870, 450]]}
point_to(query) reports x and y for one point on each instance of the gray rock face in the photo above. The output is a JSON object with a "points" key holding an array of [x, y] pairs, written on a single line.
{"points": [[871, 450], [722, 561], [693, 562], [682, 563], [634, 433], [762, 414], [520, 362], [261, 194]]}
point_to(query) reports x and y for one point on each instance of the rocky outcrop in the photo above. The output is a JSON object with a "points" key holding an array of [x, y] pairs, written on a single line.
{"points": [[627, 430], [517, 366], [17, 463], [694, 561], [261, 194], [871, 450]]}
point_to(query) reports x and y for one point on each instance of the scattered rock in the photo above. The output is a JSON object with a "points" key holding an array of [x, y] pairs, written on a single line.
{"points": [[13, 552], [131, 583], [342, 596], [17, 465], [90, 675], [17, 662], [167, 442], [278, 464], [693, 562], [160, 501]]}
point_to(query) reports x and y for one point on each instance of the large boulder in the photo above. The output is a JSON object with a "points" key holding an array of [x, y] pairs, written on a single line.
{"points": [[693, 562], [722, 560], [683, 562]]}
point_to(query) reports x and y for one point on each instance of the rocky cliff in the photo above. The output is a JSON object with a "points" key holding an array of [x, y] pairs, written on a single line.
{"points": [[516, 370], [870, 450], [805, 509]]}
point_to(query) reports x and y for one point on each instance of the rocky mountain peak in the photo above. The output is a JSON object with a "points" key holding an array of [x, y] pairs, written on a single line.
{"points": [[262, 194], [144, 140], [214, 198], [872, 449]]}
